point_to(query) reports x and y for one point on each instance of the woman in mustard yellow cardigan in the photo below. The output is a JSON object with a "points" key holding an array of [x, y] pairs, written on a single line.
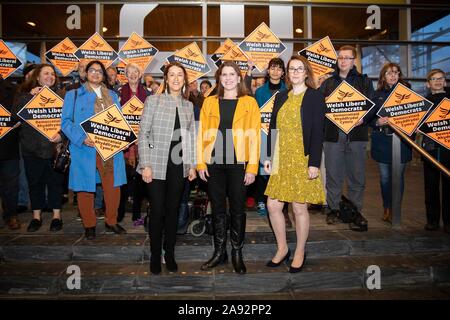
{"points": [[228, 159]]}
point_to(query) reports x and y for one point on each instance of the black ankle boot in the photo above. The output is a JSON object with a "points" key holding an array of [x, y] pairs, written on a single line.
{"points": [[171, 264], [238, 262], [155, 264], [219, 257]]}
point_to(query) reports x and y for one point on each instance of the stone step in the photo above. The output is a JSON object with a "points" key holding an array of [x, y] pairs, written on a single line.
{"points": [[259, 246], [320, 274]]}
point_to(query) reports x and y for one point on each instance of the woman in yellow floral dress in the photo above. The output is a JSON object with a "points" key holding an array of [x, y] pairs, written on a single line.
{"points": [[298, 116]]}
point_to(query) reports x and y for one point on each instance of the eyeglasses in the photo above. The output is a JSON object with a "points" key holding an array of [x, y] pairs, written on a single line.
{"points": [[392, 73], [296, 70], [275, 68], [437, 79], [93, 71], [345, 58]]}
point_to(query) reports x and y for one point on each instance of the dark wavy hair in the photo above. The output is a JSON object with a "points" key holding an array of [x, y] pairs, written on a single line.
{"points": [[32, 82], [382, 83], [102, 66], [185, 89]]}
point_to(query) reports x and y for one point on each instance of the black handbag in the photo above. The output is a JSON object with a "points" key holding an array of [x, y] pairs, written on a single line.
{"points": [[62, 158]]}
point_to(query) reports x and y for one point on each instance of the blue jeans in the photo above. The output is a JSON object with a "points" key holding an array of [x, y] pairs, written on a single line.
{"points": [[98, 200], [386, 182], [9, 186]]}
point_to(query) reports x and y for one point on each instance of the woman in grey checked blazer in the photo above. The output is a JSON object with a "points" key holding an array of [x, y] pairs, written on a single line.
{"points": [[167, 156]]}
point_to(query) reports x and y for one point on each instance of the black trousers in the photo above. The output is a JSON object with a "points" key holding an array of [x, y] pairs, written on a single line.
{"points": [[135, 188], [40, 175], [432, 179], [9, 186], [227, 180], [165, 197]]}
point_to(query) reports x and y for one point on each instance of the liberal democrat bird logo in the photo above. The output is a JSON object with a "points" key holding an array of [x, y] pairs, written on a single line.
{"points": [[189, 53], [322, 48], [261, 35], [235, 54], [3, 51], [134, 108], [65, 48], [111, 118], [400, 97], [444, 112], [45, 100], [343, 95], [135, 43], [96, 44]]}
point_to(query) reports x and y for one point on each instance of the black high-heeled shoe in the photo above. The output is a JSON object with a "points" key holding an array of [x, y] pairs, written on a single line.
{"points": [[297, 270], [272, 264]]}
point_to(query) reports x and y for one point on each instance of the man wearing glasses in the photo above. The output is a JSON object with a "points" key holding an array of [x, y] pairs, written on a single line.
{"points": [[345, 154]]}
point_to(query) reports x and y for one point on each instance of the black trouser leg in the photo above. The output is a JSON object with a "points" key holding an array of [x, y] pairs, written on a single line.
{"points": [[9, 186]]}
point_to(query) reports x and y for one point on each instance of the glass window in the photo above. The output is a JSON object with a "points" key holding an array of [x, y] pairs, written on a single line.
{"points": [[374, 57]]}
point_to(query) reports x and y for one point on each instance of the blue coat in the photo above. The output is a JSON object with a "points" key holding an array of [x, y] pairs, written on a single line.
{"points": [[83, 174], [381, 137], [262, 95]]}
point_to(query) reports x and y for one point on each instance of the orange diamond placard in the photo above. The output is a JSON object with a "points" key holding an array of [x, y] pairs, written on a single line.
{"points": [[405, 108], [96, 48], [266, 114], [224, 48], [62, 56], [121, 73], [235, 54], [132, 111], [437, 125], [322, 56], [209, 91], [110, 132], [8, 61], [261, 46], [137, 50], [192, 59], [6, 122], [43, 112], [346, 106]]}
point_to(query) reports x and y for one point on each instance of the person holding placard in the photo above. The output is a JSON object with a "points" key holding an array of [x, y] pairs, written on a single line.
{"points": [[166, 157], [134, 181], [38, 153], [297, 122], [345, 154], [432, 177], [87, 167], [228, 159], [381, 137]]}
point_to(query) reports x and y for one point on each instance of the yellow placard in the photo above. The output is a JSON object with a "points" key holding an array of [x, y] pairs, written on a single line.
{"points": [[322, 56], [132, 111], [62, 56], [96, 48], [208, 92], [346, 106], [235, 54], [405, 108], [8, 61], [261, 46], [192, 59], [437, 125], [43, 112], [224, 48], [121, 72], [110, 132], [6, 122], [137, 50], [266, 114]]}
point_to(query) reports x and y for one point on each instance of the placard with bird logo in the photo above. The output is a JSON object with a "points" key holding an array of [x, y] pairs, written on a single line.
{"points": [[62, 56], [261, 46], [266, 114], [224, 48], [121, 73], [43, 112], [235, 54], [132, 111], [137, 50], [437, 125], [405, 108], [8, 61], [322, 56], [109, 131], [191, 57], [96, 48], [346, 106]]}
